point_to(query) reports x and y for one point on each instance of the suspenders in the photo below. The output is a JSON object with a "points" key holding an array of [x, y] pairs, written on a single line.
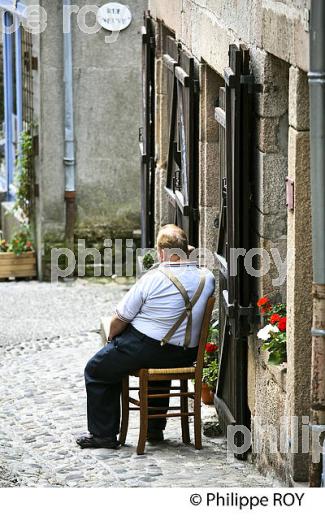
{"points": [[189, 304]]}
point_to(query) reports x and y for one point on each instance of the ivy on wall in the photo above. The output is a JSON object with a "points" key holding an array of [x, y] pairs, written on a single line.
{"points": [[24, 181]]}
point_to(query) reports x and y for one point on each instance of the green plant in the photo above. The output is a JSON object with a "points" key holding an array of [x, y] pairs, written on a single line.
{"points": [[213, 334], [277, 348], [274, 334], [211, 357], [210, 374], [23, 175], [21, 242], [148, 260]]}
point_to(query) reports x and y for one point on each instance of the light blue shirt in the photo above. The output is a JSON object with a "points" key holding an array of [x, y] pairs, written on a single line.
{"points": [[154, 304]]}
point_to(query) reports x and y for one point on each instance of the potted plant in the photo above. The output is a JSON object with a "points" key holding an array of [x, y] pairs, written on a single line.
{"points": [[17, 258], [209, 381], [211, 366], [273, 334]]}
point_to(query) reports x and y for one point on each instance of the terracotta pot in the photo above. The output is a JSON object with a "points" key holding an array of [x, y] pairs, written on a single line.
{"points": [[207, 394]]}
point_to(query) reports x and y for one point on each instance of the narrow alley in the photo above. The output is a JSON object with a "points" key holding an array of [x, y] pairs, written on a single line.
{"points": [[48, 332]]}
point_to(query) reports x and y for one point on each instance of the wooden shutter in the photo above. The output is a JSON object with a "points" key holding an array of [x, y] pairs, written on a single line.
{"points": [[147, 133], [182, 163], [234, 115]]}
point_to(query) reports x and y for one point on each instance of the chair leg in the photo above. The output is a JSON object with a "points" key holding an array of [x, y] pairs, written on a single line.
{"points": [[184, 409], [143, 412], [125, 410], [197, 418]]}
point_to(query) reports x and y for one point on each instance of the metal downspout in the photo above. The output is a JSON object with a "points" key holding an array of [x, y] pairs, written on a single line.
{"points": [[69, 143], [316, 79]]}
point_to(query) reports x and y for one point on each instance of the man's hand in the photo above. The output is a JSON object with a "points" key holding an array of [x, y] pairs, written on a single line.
{"points": [[116, 327]]}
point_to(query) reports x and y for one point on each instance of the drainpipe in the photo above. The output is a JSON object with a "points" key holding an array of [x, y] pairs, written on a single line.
{"points": [[316, 79], [69, 143]]}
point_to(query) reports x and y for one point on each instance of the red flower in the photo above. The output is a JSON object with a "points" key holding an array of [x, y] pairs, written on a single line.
{"points": [[211, 347], [282, 325], [266, 308], [263, 301], [275, 318], [264, 304]]}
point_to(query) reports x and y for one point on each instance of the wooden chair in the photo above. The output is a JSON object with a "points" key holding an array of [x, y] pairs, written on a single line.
{"points": [[163, 374]]}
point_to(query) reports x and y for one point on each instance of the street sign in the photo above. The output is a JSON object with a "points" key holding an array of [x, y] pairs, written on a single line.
{"points": [[114, 16]]}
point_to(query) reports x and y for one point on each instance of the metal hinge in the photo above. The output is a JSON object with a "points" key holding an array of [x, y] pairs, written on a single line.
{"points": [[248, 79], [250, 312], [234, 310]]}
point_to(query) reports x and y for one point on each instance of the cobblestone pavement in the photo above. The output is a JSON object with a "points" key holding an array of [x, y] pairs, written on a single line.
{"points": [[43, 406], [33, 310]]}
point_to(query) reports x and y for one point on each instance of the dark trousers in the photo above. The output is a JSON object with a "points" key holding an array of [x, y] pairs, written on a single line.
{"points": [[104, 372]]}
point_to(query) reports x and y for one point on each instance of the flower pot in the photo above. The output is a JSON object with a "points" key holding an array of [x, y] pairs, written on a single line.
{"points": [[207, 394], [22, 266]]}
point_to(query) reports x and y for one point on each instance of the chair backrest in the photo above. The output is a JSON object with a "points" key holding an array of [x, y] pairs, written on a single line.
{"points": [[203, 336]]}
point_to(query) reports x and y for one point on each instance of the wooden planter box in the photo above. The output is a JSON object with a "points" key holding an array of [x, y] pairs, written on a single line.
{"points": [[13, 266]]}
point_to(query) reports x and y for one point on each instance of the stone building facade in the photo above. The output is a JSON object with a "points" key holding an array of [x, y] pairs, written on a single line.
{"points": [[107, 87], [106, 91], [276, 35]]}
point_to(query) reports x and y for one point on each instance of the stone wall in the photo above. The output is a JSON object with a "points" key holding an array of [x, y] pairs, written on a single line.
{"points": [[208, 27], [299, 283], [107, 93], [276, 34]]}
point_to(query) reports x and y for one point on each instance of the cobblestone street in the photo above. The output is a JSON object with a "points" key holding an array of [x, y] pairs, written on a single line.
{"points": [[48, 332]]}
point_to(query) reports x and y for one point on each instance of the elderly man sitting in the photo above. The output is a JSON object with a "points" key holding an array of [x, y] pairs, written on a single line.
{"points": [[156, 325]]}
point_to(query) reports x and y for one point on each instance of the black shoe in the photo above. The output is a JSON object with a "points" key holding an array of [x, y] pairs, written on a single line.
{"points": [[155, 436], [90, 441]]}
